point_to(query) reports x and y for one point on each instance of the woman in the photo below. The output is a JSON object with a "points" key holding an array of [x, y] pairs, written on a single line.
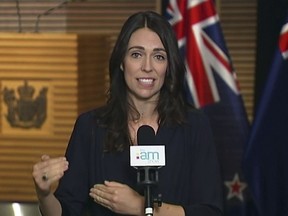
{"points": [[146, 88]]}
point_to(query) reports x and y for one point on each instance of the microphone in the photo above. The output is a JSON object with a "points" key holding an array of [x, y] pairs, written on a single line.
{"points": [[146, 135], [47, 12], [147, 152], [147, 158]]}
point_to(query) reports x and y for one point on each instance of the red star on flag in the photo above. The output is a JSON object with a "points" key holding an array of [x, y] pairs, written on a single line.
{"points": [[236, 188]]}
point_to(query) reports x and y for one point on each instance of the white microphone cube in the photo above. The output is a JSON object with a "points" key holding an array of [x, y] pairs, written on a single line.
{"points": [[147, 155]]}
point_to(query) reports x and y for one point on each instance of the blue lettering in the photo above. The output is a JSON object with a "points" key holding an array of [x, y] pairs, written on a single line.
{"points": [[149, 155]]}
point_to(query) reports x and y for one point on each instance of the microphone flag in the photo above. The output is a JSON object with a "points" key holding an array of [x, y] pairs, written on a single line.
{"points": [[146, 153]]}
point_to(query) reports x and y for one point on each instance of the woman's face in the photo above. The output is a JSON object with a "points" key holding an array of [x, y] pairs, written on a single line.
{"points": [[144, 65]]}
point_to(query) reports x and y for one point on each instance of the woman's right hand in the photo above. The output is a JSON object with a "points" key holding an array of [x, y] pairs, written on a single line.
{"points": [[46, 172]]}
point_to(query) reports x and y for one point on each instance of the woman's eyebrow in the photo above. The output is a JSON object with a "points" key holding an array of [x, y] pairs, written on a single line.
{"points": [[142, 48], [136, 47], [159, 49]]}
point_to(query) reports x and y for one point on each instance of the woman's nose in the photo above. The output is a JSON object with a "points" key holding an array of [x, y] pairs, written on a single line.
{"points": [[146, 65]]}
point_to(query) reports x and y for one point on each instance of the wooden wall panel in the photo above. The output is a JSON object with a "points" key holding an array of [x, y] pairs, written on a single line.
{"points": [[72, 16], [238, 19], [75, 87], [76, 81]]}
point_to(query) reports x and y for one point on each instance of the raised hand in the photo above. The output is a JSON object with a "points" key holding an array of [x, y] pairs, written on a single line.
{"points": [[48, 171]]}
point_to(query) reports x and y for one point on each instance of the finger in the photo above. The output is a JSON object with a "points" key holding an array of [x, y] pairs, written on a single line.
{"points": [[52, 169], [51, 178], [96, 196], [101, 201], [45, 157], [113, 184], [103, 193], [100, 187], [55, 171], [53, 163]]}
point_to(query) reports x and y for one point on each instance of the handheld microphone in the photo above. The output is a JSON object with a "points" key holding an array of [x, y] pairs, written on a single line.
{"points": [[147, 152], [146, 135], [147, 159]]}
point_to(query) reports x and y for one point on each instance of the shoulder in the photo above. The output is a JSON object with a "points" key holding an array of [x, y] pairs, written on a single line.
{"points": [[91, 117], [92, 114], [197, 117], [198, 129]]}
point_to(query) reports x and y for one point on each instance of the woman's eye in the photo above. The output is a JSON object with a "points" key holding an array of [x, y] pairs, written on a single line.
{"points": [[136, 55], [160, 57]]}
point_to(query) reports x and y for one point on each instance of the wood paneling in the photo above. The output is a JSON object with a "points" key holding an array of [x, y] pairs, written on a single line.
{"points": [[69, 92], [73, 68], [238, 20], [76, 76], [72, 16]]}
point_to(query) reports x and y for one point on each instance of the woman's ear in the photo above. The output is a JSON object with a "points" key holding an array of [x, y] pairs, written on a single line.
{"points": [[121, 67]]}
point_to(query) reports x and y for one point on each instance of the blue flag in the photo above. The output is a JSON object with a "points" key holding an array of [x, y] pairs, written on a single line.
{"points": [[212, 86], [266, 154]]}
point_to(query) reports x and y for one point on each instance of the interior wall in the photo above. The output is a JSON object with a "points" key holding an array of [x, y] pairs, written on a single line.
{"points": [[48, 48], [238, 20]]}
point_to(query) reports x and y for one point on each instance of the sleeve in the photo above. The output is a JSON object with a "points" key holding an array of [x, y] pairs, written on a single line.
{"points": [[73, 189], [206, 184]]}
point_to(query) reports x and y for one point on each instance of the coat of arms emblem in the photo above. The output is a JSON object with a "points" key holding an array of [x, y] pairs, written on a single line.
{"points": [[26, 111]]}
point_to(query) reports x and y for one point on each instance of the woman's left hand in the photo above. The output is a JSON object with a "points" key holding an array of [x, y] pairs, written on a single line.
{"points": [[119, 198]]}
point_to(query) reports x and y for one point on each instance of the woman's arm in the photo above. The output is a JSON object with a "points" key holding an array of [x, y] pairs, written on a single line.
{"points": [[45, 173], [169, 210], [49, 206], [121, 199]]}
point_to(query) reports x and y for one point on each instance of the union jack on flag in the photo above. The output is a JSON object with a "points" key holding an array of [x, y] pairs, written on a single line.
{"points": [[212, 86], [196, 24], [283, 41]]}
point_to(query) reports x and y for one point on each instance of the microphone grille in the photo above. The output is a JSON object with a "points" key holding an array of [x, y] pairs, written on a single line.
{"points": [[146, 135]]}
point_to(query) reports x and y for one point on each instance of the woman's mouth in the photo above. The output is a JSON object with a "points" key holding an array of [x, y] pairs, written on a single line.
{"points": [[145, 81]]}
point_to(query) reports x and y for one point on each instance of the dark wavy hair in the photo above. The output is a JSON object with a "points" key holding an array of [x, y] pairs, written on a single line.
{"points": [[171, 106]]}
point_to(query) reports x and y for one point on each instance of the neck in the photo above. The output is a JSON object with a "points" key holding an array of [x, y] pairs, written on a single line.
{"points": [[143, 117], [143, 110]]}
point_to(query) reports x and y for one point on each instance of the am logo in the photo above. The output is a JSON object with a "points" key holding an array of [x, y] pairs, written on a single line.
{"points": [[148, 155]]}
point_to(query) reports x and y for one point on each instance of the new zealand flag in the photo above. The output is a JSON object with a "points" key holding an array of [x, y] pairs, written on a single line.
{"points": [[213, 87], [266, 155]]}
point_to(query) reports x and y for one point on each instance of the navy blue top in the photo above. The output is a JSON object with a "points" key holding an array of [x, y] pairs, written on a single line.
{"points": [[190, 178]]}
